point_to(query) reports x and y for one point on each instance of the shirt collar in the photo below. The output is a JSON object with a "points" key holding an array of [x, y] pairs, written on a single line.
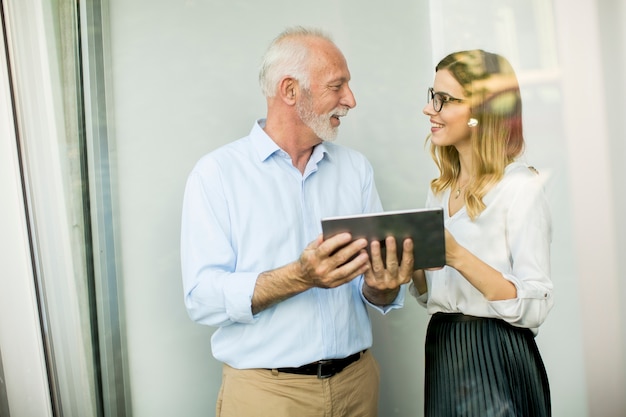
{"points": [[266, 147], [262, 143]]}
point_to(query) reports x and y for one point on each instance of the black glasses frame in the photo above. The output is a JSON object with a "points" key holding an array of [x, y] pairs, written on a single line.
{"points": [[439, 99]]}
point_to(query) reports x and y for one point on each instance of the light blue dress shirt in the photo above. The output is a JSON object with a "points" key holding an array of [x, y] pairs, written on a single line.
{"points": [[247, 210]]}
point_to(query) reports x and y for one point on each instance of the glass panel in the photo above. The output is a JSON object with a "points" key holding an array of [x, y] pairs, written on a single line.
{"points": [[22, 367], [44, 53], [103, 206]]}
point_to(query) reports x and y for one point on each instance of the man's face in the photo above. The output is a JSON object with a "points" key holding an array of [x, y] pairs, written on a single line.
{"points": [[329, 96]]}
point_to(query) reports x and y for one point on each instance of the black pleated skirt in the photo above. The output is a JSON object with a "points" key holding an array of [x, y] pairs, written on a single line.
{"points": [[483, 367]]}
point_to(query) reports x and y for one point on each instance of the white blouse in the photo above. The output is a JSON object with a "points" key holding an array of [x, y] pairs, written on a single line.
{"points": [[513, 236]]}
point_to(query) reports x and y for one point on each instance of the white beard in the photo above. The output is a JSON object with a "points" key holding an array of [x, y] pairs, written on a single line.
{"points": [[318, 123]]}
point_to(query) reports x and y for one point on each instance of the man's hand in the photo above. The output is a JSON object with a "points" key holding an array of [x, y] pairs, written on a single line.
{"points": [[333, 262], [323, 263], [383, 283]]}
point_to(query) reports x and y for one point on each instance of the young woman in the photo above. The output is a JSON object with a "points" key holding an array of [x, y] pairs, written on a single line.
{"points": [[495, 290]]}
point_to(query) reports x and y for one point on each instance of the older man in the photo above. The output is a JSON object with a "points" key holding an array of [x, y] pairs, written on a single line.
{"points": [[291, 308]]}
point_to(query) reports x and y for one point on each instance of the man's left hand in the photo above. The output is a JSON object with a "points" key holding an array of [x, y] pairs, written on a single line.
{"points": [[384, 278]]}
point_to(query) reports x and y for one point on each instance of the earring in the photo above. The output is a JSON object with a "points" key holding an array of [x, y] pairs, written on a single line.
{"points": [[472, 122]]}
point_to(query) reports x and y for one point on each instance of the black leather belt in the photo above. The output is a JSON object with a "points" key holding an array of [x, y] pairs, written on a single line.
{"points": [[324, 368]]}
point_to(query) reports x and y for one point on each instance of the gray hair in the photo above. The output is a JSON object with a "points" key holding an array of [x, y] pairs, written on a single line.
{"points": [[288, 55]]}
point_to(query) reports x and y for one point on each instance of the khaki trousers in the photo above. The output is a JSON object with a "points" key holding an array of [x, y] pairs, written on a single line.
{"points": [[265, 393]]}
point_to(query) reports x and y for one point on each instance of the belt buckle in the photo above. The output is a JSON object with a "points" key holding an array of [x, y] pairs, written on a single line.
{"points": [[320, 367]]}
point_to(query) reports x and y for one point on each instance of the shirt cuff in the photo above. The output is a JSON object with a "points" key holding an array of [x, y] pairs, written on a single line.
{"points": [[238, 297], [397, 303]]}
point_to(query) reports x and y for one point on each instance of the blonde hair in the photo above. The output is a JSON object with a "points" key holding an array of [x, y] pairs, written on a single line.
{"points": [[492, 88]]}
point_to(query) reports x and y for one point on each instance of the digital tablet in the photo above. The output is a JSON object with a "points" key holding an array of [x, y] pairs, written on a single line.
{"points": [[424, 226]]}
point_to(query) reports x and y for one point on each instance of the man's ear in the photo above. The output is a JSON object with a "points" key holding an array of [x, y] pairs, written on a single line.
{"points": [[288, 90]]}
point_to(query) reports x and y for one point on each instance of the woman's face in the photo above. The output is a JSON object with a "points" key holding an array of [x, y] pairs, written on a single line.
{"points": [[449, 126]]}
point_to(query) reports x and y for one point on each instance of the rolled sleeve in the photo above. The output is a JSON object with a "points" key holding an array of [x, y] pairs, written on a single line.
{"points": [[238, 297], [531, 306], [215, 294]]}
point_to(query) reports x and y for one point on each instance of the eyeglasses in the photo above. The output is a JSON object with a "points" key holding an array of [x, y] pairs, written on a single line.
{"points": [[439, 99]]}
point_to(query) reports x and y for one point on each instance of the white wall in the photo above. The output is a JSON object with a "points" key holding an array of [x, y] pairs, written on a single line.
{"points": [[185, 81]]}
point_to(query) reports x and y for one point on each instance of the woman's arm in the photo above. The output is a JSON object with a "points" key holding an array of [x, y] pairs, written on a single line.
{"points": [[419, 281], [483, 277]]}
